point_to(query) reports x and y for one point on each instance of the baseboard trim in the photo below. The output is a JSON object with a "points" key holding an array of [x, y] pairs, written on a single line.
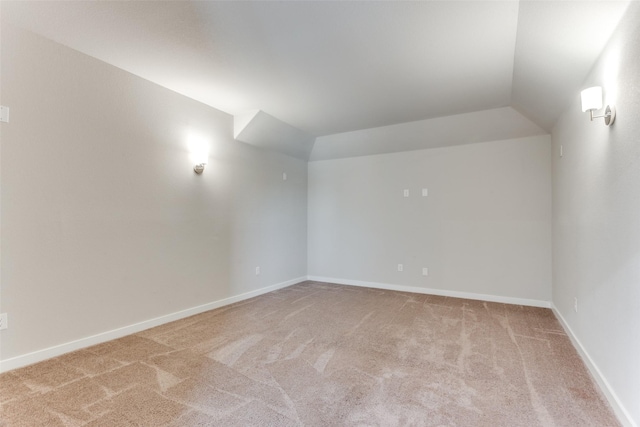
{"points": [[618, 408], [58, 350], [440, 292]]}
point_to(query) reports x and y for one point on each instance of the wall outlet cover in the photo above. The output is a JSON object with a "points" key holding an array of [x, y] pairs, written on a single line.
{"points": [[4, 114]]}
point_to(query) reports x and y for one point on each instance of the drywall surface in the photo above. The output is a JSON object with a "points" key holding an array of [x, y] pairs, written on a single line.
{"points": [[596, 219], [480, 126], [265, 131], [104, 222], [484, 227]]}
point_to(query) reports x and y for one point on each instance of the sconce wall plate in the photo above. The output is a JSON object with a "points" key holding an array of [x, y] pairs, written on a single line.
{"points": [[609, 115], [199, 168]]}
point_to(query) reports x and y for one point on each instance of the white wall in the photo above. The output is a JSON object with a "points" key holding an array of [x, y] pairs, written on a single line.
{"points": [[484, 228], [105, 224], [596, 221]]}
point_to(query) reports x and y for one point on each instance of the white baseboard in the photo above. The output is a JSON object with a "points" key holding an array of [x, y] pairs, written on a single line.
{"points": [[440, 292], [58, 350], [623, 415]]}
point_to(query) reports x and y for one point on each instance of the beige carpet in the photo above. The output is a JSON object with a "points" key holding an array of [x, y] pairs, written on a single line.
{"points": [[318, 354]]}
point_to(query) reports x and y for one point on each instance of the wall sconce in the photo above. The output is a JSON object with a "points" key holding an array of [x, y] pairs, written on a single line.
{"points": [[592, 100], [199, 149]]}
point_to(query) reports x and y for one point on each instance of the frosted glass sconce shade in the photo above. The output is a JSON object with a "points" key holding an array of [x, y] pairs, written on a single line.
{"points": [[592, 100]]}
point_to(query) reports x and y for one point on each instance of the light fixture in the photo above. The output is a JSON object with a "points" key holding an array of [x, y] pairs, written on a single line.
{"points": [[199, 168], [199, 149], [592, 100]]}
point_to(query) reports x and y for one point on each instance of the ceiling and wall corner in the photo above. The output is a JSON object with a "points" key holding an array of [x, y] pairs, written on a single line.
{"points": [[262, 130], [557, 44], [329, 68]]}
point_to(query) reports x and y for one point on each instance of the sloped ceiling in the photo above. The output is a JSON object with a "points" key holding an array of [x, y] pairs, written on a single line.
{"points": [[335, 67], [262, 130], [468, 128]]}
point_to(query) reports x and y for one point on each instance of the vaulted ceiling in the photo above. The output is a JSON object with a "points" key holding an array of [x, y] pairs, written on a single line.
{"points": [[327, 67]]}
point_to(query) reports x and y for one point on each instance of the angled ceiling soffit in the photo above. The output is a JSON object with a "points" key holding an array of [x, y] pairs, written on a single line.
{"points": [[480, 126], [262, 130]]}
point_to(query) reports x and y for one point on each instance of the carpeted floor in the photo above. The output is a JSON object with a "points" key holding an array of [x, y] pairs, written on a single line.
{"points": [[317, 354]]}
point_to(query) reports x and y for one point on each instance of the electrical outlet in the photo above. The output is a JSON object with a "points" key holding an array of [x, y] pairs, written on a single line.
{"points": [[400, 267], [405, 193], [575, 304], [425, 271], [284, 176], [257, 271], [4, 114], [4, 321]]}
